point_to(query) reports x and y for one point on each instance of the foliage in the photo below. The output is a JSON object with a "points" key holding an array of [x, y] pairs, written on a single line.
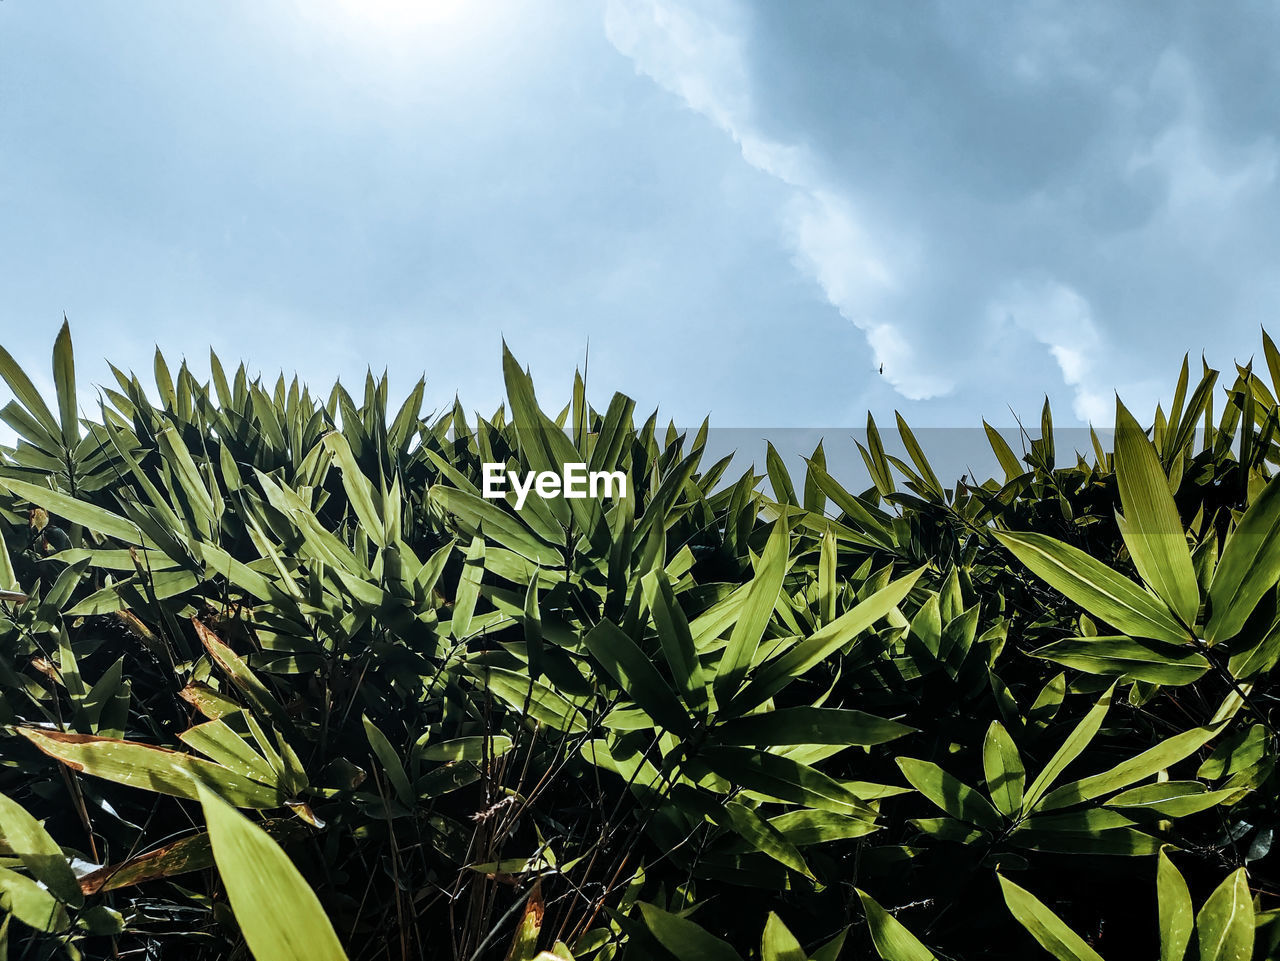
{"points": [[700, 721]]}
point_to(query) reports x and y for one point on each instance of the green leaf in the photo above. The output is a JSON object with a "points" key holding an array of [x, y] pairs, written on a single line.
{"points": [[27, 394], [278, 913], [1173, 799], [190, 486], [524, 945], [815, 500], [1131, 658], [1249, 567], [1045, 926], [390, 762], [809, 725], [164, 381], [686, 940], [468, 590], [757, 609], [30, 903], [242, 676], [150, 768], [533, 698], [634, 671], [1009, 462], [1174, 902], [874, 457], [949, 829], [893, 942], [950, 793], [629, 764], [778, 943], [831, 950], [1087, 821], [160, 585], [1242, 750], [76, 511], [781, 777], [765, 838], [1152, 530], [806, 827], [101, 920], [238, 574], [359, 490], [776, 674], [827, 584], [486, 518], [916, 453], [1088, 582], [876, 527], [1163, 755], [1201, 403], [1076, 742], [1002, 766], [531, 617], [1046, 434], [676, 639], [217, 741], [779, 478], [8, 578], [532, 428], [1116, 842], [1045, 707], [474, 748], [1224, 926], [39, 852], [64, 381]]}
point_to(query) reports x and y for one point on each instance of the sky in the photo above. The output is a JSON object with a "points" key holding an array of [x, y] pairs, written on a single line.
{"points": [[743, 207]]}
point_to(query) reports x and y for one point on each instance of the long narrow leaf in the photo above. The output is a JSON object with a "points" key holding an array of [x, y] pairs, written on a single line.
{"points": [[1153, 531], [1088, 582], [1249, 567], [892, 940], [278, 913], [1045, 926], [757, 610]]}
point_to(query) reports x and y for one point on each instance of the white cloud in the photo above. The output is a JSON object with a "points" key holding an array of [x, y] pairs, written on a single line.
{"points": [[689, 54], [832, 247], [685, 53], [942, 167], [1058, 317]]}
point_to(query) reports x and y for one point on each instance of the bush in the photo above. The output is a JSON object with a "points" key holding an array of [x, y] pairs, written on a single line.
{"points": [[700, 721]]}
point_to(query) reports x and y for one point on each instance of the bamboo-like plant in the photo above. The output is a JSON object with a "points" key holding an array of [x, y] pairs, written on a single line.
{"points": [[275, 675]]}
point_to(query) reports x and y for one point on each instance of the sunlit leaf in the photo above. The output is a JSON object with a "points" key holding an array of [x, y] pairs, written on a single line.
{"points": [[278, 913]]}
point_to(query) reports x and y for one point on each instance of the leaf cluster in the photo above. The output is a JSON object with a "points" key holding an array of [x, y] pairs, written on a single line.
{"points": [[274, 674]]}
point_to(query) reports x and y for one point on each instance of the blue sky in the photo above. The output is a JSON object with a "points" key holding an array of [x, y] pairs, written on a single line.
{"points": [[745, 206]]}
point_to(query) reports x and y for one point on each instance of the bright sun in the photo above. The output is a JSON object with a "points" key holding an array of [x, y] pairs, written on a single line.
{"points": [[421, 37], [407, 14]]}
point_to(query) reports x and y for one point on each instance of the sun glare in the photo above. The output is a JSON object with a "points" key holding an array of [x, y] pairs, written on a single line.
{"points": [[421, 32], [408, 14]]}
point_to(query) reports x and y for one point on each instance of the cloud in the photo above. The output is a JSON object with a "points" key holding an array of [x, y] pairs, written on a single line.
{"points": [[799, 198], [698, 55], [1105, 176], [1203, 178], [684, 52], [1062, 320]]}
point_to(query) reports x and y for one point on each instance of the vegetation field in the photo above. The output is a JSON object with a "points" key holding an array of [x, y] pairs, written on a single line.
{"points": [[277, 681]]}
